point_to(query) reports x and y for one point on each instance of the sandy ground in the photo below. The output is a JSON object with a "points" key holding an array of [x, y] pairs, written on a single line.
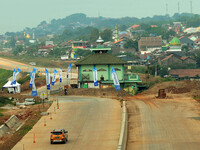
{"points": [[163, 124], [10, 65], [93, 124]]}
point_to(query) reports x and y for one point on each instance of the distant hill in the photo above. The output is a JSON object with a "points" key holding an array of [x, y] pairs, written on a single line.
{"points": [[78, 20]]}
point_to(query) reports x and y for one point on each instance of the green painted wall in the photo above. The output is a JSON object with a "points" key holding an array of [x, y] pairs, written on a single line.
{"points": [[119, 73], [85, 70], [102, 70]]}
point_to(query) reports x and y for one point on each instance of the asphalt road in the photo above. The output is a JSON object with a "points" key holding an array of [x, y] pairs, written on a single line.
{"points": [[164, 125], [93, 124]]}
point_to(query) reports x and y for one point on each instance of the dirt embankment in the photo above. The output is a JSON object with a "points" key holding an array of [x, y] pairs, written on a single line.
{"points": [[97, 92], [175, 87], [177, 115], [30, 114]]}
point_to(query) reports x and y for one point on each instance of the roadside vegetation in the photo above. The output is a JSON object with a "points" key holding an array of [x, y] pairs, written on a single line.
{"points": [[4, 75], [4, 101]]}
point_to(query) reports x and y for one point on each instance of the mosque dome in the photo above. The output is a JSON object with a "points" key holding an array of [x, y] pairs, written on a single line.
{"points": [[175, 41]]}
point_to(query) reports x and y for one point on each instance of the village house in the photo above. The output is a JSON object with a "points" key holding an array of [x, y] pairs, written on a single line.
{"points": [[173, 59], [184, 40], [146, 43], [185, 73]]}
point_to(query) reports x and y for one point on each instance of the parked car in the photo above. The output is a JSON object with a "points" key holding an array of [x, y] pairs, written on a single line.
{"points": [[59, 136]]}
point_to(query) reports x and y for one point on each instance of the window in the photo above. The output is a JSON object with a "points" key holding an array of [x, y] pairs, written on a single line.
{"points": [[87, 70], [101, 69], [117, 69]]}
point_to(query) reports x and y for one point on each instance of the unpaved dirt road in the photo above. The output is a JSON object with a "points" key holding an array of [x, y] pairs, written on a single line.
{"points": [[164, 124], [93, 124], [11, 64]]}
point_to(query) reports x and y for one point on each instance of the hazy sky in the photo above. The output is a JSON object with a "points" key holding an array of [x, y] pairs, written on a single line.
{"points": [[15, 15]]}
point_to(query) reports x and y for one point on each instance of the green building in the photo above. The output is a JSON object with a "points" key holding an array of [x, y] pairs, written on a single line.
{"points": [[103, 62]]}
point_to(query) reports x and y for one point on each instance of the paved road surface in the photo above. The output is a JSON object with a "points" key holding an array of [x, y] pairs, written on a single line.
{"points": [[164, 125], [93, 124]]}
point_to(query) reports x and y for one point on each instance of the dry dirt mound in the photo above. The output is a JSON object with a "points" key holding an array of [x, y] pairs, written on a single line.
{"points": [[174, 90], [38, 83], [175, 87], [97, 92]]}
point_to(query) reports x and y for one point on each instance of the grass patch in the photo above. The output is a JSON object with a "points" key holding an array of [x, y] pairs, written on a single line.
{"points": [[4, 75], [23, 80], [4, 101], [25, 130], [1, 114]]}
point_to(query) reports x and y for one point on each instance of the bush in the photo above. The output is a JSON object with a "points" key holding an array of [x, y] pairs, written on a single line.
{"points": [[23, 80], [139, 69], [4, 101], [4, 75]]}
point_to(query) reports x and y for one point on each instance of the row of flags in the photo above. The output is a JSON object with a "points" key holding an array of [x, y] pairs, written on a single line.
{"points": [[114, 77], [48, 78]]}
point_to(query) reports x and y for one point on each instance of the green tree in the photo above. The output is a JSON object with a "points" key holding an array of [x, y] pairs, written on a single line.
{"points": [[32, 49], [131, 44], [197, 58], [18, 49], [57, 52], [94, 35], [83, 53], [106, 35], [185, 48]]}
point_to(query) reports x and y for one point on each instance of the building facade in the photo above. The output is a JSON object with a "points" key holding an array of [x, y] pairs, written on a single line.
{"points": [[149, 42], [103, 62]]}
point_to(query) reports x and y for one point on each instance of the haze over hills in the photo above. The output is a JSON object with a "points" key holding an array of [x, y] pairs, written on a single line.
{"points": [[80, 20]]}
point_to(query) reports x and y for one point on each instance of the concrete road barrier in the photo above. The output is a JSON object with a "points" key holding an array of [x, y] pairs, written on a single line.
{"points": [[124, 127], [3, 130], [12, 121]]}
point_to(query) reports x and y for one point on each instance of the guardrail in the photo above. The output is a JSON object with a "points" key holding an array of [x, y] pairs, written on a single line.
{"points": [[124, 128]]}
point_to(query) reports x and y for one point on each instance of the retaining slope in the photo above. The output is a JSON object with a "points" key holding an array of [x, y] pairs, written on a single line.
{"points": [[3, 130], [12, 121], [124, 127]]}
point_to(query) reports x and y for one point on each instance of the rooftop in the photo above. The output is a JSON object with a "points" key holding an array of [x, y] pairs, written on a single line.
{"points": [[175, 41], [185, 72], [100, 59]]}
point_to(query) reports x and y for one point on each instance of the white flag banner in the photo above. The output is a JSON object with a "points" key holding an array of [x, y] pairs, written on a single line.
{"points": [[32, 76], [61, 74], [34, 90], [115, 79], [47, 79], [95, 76], [32, 83], [68, 70], [15, 73], [54, 76]]}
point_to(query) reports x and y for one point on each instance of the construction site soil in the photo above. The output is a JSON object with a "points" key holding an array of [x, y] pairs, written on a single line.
{"points": [[169, 123], [176, 91], [97, 92]]}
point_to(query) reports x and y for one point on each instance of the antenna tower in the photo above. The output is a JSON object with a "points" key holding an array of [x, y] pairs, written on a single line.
{"points": [[191, 9]]}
